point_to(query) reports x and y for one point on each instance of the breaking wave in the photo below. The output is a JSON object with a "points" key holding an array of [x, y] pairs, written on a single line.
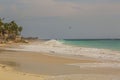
{"points": [[54, 43]]}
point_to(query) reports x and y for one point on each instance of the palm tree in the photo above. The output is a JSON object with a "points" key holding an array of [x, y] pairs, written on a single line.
{"points": [[14, 29], [20, 29], [1, 31], [1, 23], [9, 30], [1, 28]]}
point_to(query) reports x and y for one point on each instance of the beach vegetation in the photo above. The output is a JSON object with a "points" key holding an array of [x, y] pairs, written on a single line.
{"points": [[10, 31]]}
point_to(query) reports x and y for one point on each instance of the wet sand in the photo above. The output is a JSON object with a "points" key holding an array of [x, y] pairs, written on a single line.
{"points": [[53, 67]]}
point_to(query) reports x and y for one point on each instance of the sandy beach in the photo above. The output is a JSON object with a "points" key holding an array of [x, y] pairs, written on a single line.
{"points": [[7, 73], [28, 65]]}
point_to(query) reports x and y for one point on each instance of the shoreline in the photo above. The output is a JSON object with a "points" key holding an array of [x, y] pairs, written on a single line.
{"points": [[57, 48], [30, 65]]}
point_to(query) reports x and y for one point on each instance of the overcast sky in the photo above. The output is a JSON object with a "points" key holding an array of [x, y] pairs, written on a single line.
{"points": [[64, 18]]}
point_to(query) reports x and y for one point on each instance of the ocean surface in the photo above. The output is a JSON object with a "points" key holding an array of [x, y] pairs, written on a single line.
{"points": [[112, 44]]}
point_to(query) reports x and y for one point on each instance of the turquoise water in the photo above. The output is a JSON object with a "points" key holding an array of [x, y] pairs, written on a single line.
{"points": [[102, 44]]}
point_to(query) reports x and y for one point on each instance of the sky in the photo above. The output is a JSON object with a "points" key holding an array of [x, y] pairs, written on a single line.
{"points": [[59, 19]]}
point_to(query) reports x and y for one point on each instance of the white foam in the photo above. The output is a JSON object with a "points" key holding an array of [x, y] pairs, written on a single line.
{"points": [[53, 43], [57, 47]]}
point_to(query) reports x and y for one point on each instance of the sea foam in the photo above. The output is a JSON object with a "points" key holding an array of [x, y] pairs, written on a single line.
{"points": [[56, 47]]}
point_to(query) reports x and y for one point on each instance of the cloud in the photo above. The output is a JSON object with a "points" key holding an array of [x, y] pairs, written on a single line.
{"points": [[48, 8], [98, 9], [44, 8], [55, 8]]}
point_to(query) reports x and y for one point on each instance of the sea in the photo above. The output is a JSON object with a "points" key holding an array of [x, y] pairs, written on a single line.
{"points": [[112, 44]]}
